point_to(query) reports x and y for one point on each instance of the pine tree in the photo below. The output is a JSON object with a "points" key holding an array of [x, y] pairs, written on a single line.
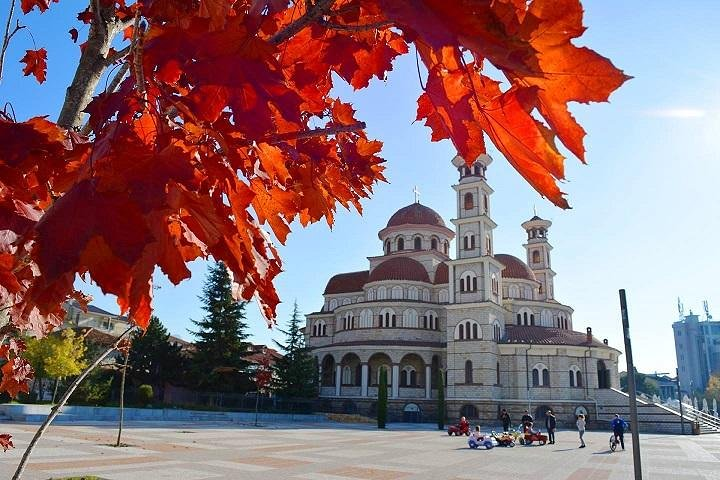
{"points": [[382, 402], [295, 373], [218, 363], [442, 412], [153, 360]]}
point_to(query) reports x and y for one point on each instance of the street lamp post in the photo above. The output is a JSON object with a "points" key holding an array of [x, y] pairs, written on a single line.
{"points": [[527, 376], [631, 386], [677, 382]]}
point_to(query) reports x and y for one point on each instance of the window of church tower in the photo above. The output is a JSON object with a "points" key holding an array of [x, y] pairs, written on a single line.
{"points": [[532, 319], [433, 244], [476, 170], [417, 243], [413, 293], [468, 203], [387, 247], [314, 331], [401, 243], [446, 247], [486, 202], [536, 256], [397, 293], [462, 284], [519, 319], [488, 245], [460, 332], [426, 295], [468, 372], [381, 293]]}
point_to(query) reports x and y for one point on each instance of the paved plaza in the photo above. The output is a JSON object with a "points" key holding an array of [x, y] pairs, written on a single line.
{"points": [[338, 452]]}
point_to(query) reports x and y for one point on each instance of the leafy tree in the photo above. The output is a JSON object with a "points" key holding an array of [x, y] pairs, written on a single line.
{"points": [[218, 362], [295, 373], [643, 384], [174, 143], [382, 401], [713, 387], [153, 359], [442, 409], [56, 356]]}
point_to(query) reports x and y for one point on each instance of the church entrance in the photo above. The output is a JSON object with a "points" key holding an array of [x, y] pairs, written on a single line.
{"points": [[603, 375], [412, 413]]}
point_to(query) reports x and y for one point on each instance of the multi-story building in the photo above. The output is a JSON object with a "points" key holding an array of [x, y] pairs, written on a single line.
{"points": [[491, 322], [697, 348]]}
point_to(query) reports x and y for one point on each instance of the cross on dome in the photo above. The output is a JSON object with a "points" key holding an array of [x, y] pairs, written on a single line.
{"points": [[417, 194]]}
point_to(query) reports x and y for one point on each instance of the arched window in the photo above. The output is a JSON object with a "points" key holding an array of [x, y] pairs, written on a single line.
{"points": [[430, 320], [461, 332], [366, 319], [324, 329], [381, 293], [488, 245], [476, 169], [469, 241], [475, 330], [370, 295], [532, 319], [536, 256], [497, 331], [525, 318], [400, 243], [468, 372], [387, 247], [333, 304], [540, 376], [387, 318], [519, 319], [443, 296], [578, 379], [575, 376], [446, 247], [467, 330], [413, 293], [514, 291], [468, 203], [408, 377], [397, 293], [426, 295], [417, 243], [572, 378], [434, 243], [314, 330], [486, 202]]}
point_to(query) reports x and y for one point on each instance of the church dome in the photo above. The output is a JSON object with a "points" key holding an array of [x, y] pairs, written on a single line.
{"points": [[515, 268], [399, 268], [416, 214], [441, 274]]}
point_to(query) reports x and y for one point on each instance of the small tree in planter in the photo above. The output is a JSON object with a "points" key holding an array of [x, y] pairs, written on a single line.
{"points": [[145, 394], [441, 400], [382, 399]]}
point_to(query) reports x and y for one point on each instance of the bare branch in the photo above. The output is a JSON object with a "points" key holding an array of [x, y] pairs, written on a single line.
{"points": [[120, 54], [8, 35], [316, 12], [314, 133], [354, 28]]}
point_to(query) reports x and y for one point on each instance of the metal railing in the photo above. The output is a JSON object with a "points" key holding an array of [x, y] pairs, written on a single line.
{"points": [[693, 415]]}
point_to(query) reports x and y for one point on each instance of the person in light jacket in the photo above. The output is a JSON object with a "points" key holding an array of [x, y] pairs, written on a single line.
{"points": [[581, 429], [550, 424]]}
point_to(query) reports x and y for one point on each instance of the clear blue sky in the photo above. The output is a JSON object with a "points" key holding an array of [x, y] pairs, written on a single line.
{"points": [[645, 215]]}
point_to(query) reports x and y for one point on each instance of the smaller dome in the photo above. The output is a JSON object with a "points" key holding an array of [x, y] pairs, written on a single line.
{"points": [[346, 282], [515, 268], [441, 274], [399, 268], [416, 214]]}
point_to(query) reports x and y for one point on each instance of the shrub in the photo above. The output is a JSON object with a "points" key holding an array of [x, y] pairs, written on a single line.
{"points": [[145, 394]]}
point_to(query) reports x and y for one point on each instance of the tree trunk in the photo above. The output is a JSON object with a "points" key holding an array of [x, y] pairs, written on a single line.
{"points": [[55, 410], [257, 401], [122, 397], [57, 381], [92, 64]]}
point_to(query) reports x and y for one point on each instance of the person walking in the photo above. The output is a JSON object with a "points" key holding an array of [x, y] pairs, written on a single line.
{"points": [[581, 429], [550, 424], [506, 421], [527, 421], [618, 427]]}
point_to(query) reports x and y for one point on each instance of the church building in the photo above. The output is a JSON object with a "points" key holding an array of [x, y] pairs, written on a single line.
{"points": [[490, 322]]}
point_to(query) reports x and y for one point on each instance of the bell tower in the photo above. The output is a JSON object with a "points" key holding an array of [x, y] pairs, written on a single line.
{"points": [[538, 254]]}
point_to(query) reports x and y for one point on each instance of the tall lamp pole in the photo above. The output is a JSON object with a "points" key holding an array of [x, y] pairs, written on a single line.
{"points": [[677, 381], [631, 386], [527, 375]]}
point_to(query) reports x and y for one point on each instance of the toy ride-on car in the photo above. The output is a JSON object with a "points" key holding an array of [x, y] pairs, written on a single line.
{"points": [[504, 439], [459, 429], [529, 437]]}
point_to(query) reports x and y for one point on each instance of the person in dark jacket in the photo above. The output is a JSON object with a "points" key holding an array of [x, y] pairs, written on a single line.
{"points": [[506, 421], [618, 426], [550, 424], [527, 421]]}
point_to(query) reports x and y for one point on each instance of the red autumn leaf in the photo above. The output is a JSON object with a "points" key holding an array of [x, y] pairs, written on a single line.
{"points": [[73, 34], [15, 376], [6, 441], [42, 5], [86, 16], [35, 63]]}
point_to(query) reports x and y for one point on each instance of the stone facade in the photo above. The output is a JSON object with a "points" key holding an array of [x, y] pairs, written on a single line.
{"points": [[490, 322]]}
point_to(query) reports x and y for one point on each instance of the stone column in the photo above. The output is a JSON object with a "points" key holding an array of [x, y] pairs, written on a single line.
{"points": [[338, 379], [451, 283], [364, 371], [428, 381], [487, 283], [395, 381]]}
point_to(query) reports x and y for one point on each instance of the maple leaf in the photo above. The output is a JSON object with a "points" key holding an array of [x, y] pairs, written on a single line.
{"points": [[6, 441], [42, 5], [16, 373], [73, 34], [35, 63]]}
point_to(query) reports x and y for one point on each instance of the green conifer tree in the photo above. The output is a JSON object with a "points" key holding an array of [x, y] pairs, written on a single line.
{"points": [[442, 411], [153, 360], [382, 402], [218, 363], [295, 375]]}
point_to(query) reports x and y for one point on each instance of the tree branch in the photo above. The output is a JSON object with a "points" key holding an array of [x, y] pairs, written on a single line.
{"points": [[8, 35], [56, 409], [320, 8], [354, 28], [314, 133], [92, 64], [120, 54]]}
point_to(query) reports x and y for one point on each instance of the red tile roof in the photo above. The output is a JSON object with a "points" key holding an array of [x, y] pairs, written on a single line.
{"points": [[399, 268], [441, 274], [416, 214], [347, 282], [548, 336], [514, 267]]}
